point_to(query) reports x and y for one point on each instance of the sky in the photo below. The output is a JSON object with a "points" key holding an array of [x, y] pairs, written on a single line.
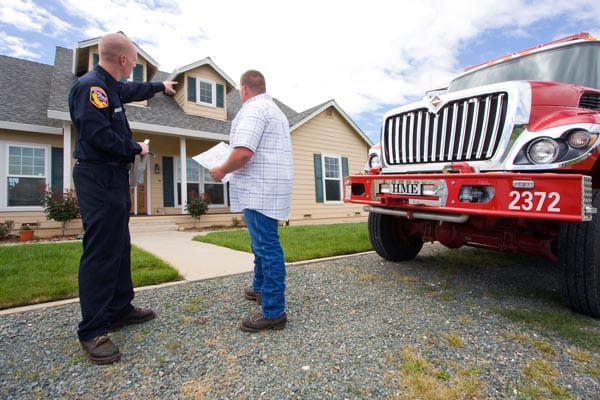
{"points": [[368, 56]]}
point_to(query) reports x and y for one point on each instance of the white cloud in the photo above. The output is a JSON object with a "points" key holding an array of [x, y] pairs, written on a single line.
{"points": [[17, 47], [365, 55], [27, 15]]}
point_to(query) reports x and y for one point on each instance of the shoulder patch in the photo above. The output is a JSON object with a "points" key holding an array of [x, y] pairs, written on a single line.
{"points": [[98, 97]]}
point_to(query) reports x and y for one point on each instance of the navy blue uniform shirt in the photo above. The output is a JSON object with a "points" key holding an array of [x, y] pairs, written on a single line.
{"points": [[102, 132]]}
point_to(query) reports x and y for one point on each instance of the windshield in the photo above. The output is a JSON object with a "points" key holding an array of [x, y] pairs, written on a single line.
{"points": [[578, 64]]}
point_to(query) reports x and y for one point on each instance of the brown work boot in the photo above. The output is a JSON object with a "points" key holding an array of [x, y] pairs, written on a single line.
{"points": [[136, 316], [101, 350], [256, 322], [250, 294]]}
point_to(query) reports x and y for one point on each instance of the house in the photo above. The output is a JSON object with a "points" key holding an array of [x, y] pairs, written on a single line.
{"points": [[37, 141]]}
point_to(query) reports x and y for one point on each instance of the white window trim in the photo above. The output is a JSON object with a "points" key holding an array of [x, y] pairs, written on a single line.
{"points": [[201, 183], [213, 86], [340, 179], [4, 173]]}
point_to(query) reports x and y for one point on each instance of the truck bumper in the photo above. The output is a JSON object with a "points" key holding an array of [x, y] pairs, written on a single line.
{"points": [[545, 196]]}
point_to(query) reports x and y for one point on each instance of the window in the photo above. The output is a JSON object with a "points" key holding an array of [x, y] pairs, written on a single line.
{"points": [[332, 178], [205, 92], [25, 174], [329, 173], [137, 74], [199, 182]]}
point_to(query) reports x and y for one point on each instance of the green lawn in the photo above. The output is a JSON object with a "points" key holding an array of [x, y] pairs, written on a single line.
{"points": [[302, 242], [40, 272]]}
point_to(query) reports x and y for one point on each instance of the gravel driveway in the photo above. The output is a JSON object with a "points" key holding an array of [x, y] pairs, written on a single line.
{"points": [[360, 327]]}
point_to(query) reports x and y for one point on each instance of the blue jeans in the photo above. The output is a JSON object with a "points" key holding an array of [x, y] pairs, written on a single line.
{"points": [[269, 266]]}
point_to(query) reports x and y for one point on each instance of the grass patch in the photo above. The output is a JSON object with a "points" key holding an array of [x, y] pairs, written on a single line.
{"points": [[302, 242], [577, 329], [421, 380], [40, 272], [544, 375]]}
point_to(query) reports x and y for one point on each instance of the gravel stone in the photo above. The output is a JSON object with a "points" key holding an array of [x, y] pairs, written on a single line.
{"points": [[350, 319]]}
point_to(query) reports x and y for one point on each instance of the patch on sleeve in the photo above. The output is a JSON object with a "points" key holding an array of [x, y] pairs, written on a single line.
{"points": [[98, 97]]}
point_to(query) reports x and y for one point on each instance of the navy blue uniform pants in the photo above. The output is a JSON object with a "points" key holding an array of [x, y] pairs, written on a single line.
{"points": [[105, 285]]}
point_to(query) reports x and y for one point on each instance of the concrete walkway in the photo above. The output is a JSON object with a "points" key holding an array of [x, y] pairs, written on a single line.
{"points": [[194, 260]]}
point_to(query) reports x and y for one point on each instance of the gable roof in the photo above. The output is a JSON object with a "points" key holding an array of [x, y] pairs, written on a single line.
{"points": [[200, 63], [82, 49], [301, 118]]}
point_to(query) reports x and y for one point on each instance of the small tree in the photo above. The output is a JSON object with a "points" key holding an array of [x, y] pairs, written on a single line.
{"points": [[61, 207], [197, 206]]}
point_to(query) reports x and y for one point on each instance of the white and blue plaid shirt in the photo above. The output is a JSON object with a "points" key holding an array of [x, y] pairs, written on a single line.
{"points": [[264, 184]]}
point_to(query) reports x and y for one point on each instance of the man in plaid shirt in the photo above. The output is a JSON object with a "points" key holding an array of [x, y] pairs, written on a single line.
{"points": [[261, 186]]}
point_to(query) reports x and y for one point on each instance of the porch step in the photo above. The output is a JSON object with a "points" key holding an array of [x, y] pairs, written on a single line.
{"points": [[152, 225]]}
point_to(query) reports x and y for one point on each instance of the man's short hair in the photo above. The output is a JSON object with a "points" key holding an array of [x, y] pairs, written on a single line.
{"points": [[254, 80], [113, 45]]}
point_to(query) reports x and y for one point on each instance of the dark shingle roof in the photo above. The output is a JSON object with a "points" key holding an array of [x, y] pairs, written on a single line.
{"points": [[294, 119], [29, 90], [25, 92], [161, 109]]}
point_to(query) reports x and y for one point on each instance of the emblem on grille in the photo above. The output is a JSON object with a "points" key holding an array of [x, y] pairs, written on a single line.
{"points": [[435, 104]]}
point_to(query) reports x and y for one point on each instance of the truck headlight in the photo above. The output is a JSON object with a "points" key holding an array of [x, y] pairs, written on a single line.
{"points": [[579, 139], [543, 151], [374, 161]]}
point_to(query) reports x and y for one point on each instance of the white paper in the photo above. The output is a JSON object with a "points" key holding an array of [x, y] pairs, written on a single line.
{"points": [[137, 172], [215, 156]]}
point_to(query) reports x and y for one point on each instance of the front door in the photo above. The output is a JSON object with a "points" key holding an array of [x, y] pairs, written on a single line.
{"points": [[141, 199]]}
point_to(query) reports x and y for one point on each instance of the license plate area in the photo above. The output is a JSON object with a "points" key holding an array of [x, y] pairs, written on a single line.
{"points": [[408, 188], [423, 192]]}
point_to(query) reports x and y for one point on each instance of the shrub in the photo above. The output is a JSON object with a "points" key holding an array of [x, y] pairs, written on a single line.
{"points": [[61, 207], [196, 206]]}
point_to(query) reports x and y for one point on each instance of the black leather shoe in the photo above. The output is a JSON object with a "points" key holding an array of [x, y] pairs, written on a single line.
{"points": [[101, 350], [250, 294], [136, 316], [256, 322]]}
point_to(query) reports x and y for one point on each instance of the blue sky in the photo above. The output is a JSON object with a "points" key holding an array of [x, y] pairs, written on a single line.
{"points": [[368, 56]]}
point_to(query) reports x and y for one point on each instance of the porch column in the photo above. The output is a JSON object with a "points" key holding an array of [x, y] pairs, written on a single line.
{"points": [[183, 160], [67, 156]]}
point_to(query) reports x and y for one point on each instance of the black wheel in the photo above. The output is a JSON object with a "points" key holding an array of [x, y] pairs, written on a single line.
{"points": [[579, 256], [389, 238]]}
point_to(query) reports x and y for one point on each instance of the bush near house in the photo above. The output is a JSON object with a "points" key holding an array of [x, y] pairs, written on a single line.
{"points": [[61, 207], [197, 206]]}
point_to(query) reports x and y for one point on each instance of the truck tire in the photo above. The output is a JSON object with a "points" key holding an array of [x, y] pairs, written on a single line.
{"points": [[389, 238], [579, 257]]}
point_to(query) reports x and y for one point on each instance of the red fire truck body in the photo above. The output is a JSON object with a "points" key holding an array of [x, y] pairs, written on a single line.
{"points": [[506, 158]]}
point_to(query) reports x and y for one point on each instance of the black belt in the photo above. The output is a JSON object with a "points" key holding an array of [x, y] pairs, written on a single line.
{"points": [[116, 164]]}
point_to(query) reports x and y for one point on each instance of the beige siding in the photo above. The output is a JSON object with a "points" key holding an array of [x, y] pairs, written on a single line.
{"points": [[327, 133], [203, 72], [29, 137]]}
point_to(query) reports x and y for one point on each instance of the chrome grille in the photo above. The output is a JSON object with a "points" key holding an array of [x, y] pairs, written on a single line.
{"points": [[590, 100], [462, 130]]}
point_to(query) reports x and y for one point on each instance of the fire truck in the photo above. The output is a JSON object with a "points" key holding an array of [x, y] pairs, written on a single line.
{"points": [[505, 158]]}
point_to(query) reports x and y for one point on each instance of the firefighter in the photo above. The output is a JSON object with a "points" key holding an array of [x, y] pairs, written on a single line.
{"points": [[104, 150]]}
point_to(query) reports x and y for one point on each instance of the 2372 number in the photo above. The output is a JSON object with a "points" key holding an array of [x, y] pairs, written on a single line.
{"points": [[534, 201]]}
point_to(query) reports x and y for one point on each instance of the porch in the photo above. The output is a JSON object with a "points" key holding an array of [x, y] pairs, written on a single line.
{"points": [[46, 229]]}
